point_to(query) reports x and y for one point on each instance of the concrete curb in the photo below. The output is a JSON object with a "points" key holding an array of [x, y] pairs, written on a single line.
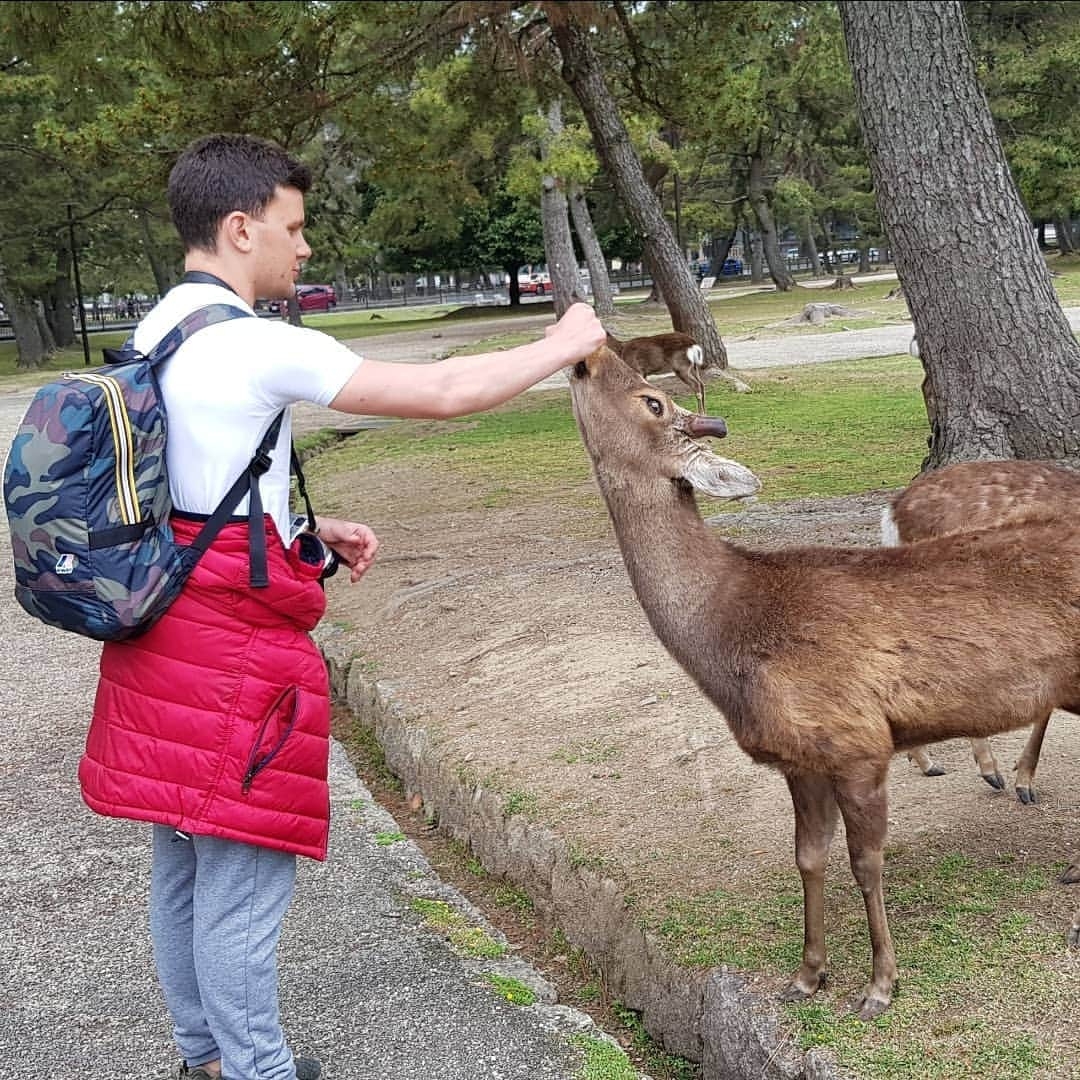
{"points": [[709, 1017]]}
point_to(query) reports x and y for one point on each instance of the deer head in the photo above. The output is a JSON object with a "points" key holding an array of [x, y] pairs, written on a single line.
{"points": [[635, 433]]}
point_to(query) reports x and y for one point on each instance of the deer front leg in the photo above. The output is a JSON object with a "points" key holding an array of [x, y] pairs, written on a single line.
{"points": [[1029, 762], [863, 804], [1074, 932], [987, 764], [815, 822]]}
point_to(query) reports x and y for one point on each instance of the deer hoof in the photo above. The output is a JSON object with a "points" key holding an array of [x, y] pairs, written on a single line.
{"points": [[934, 770], [1071, 875], [995, 780], [1027, 795], [797, 990], [868, 1005]]}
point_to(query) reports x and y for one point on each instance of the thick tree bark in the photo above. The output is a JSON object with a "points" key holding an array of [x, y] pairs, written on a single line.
{"points": [[826, 256], [603, 298], [29, 348], [583, 74], [757, 261], [59, 300], [811, 247], [163, 278], [1064, 236], [759, 203], [511, 270], [1002, 367], [555, 218]]}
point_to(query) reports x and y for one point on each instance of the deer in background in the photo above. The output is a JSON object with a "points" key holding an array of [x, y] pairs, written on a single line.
{"points": [[661, 353], [827, 661], [973, 496]]}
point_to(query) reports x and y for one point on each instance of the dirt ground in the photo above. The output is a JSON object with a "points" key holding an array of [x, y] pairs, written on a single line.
{"points": [[513, 634]]}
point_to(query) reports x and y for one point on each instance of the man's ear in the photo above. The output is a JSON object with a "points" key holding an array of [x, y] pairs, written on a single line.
{"points": [[235, 230]]}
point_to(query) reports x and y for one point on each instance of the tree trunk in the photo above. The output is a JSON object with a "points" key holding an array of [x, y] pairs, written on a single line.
{"points": [[511, 270], [811, 247], [30, 348], [59, 300], [826, 256], [864, 256], [719, 252], [603, 298], [47, 339], [1064, 236], [1002, 367], [555, 218], [759, 203], [583, 74], [757, 263], [163, 278]]}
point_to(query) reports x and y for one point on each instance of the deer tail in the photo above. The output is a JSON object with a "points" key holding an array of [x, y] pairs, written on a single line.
{"points": [[696, 356]]}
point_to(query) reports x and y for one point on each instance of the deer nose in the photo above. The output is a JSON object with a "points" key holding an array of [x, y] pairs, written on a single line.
{"points": [[698, 426], [581, 370]]}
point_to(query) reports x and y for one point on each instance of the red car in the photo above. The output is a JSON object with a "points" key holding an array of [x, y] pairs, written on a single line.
{"points": [[316, 297], [534, 285], [311, 298]]}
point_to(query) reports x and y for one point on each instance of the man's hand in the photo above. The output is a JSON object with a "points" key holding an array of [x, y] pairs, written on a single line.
{"points": [[354, 544], [577, 334]]}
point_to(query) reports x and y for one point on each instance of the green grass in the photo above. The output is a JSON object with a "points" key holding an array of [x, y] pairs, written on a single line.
{"points": [[602, 1060], [448, 921], [512, 990], [656, 1060], [976, 973], [520, 802], [385, 839]]}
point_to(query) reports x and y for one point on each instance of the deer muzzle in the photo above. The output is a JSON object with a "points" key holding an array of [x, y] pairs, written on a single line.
{"points": [[699, 426]]}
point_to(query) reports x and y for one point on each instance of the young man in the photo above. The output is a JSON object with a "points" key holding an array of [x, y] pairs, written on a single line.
{"points": [[214, 726]]}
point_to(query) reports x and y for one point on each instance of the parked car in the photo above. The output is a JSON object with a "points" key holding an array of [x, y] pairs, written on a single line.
{"points": [[731, 267], [316, 297], [534, 285], [310, 297]]}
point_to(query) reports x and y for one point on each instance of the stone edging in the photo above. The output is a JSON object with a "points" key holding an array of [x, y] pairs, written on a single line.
{"points": [[710, 1017]]}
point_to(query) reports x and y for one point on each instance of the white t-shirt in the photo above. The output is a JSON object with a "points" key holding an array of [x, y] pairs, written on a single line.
{"points": [[222, 389]]}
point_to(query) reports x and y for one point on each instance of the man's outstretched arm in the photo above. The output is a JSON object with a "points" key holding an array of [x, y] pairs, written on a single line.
{"points": [[466, 384]]}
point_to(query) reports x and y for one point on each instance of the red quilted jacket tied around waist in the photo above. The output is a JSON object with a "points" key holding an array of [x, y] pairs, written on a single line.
{"points": [[217, 720]]}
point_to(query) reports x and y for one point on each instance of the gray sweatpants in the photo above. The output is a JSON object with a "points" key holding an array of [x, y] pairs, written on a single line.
{"points": [[216, 908]]}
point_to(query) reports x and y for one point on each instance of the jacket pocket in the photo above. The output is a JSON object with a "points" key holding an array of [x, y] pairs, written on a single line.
{"points": [[274, 728]]}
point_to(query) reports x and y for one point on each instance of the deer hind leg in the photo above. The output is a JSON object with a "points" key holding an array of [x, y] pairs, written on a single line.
{"points": [[1028, 762], [921, 756], [815, 823], [864, 806], [1074, 932], [987, 764]]}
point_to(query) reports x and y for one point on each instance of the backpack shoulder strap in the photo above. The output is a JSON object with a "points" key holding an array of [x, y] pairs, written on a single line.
{"points": [[199, 319]]}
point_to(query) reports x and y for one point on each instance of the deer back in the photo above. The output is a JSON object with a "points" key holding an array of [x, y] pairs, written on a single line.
{"points": [[975, 495]]}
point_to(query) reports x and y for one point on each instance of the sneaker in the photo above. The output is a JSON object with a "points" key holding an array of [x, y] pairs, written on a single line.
{"points": [[306, 1069]]}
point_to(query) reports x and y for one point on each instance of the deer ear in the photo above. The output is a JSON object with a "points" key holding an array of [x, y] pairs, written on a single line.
{"points": [[719, 477]]}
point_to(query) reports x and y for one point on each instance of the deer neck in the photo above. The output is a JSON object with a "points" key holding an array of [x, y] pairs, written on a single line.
{"points": [[678, 566]]}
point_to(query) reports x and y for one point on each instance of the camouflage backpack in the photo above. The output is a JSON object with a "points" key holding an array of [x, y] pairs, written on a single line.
{"points": [[87, 496]]}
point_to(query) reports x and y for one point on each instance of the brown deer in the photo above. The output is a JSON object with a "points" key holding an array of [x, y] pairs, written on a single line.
{"points": [[661, 353], [978, 495], [827, 661]]}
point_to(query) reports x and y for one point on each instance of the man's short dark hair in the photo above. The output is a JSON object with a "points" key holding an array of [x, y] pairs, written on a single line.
{"points": [[218, 174]]}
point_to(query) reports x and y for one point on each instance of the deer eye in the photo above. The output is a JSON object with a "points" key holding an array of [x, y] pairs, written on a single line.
{"points": [[655, 407]]}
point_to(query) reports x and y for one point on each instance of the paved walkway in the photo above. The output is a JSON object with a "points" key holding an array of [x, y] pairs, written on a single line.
{"points": [[364, 986]]}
